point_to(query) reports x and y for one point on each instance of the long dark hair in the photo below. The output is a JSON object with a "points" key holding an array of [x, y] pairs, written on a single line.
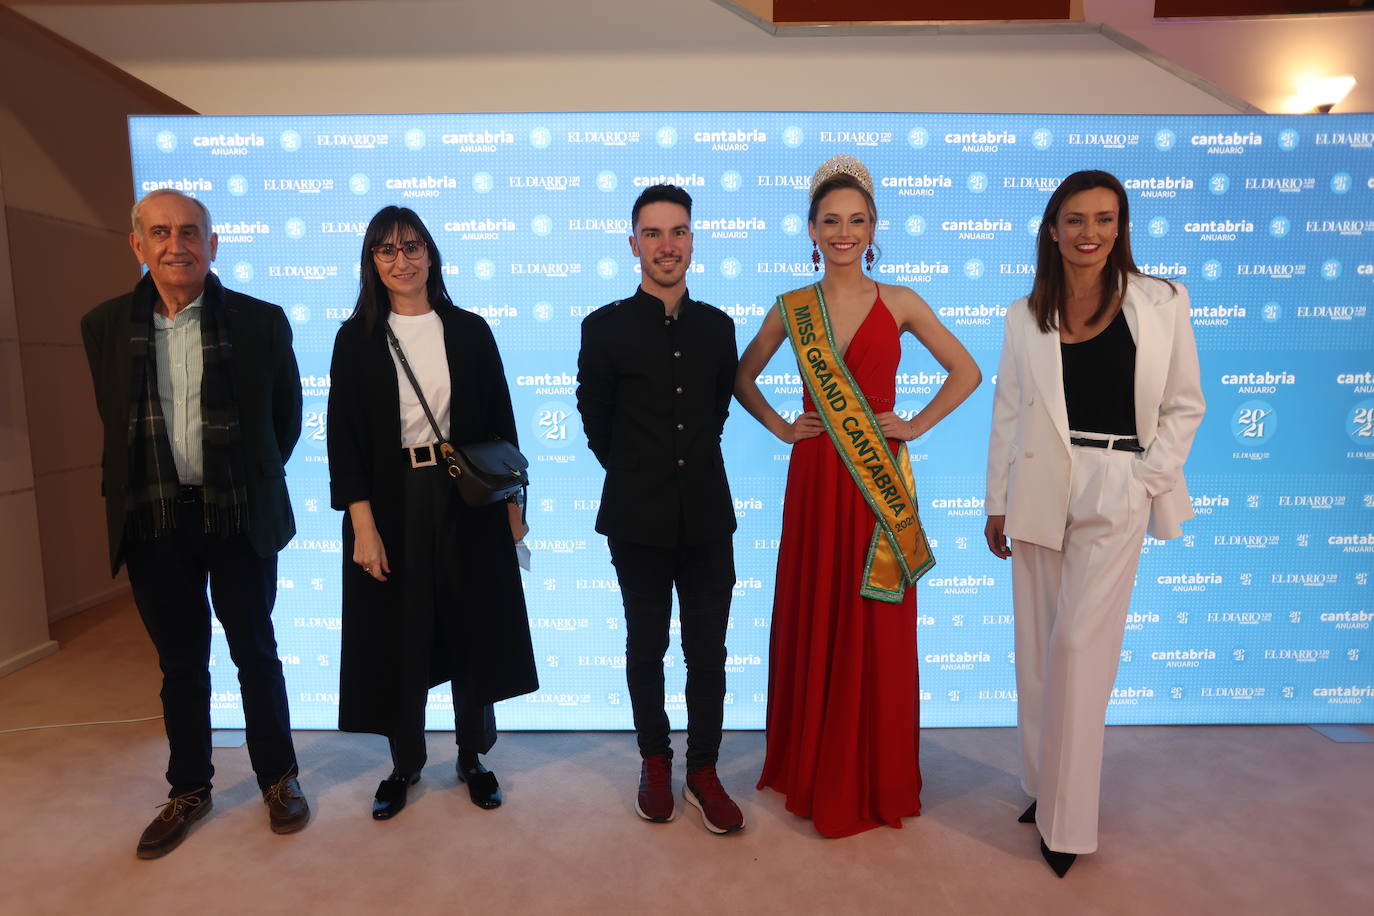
{"points": [[374, 302], [1049, 291]]}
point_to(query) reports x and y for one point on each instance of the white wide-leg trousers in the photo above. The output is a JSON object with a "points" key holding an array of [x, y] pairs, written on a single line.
{"points": [[1071, 607]]}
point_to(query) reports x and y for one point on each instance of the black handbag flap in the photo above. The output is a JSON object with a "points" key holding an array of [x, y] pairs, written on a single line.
{"points": [[496, 458]]}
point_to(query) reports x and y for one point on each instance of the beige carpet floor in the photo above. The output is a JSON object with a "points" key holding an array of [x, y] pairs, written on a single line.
{"points": [[1205, 820]]}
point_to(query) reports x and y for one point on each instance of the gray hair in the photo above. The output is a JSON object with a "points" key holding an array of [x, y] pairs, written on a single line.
{"points": [[137, 211]]}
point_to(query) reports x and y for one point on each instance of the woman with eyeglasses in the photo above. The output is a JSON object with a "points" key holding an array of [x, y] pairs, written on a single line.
{"points": [[431, 586]]}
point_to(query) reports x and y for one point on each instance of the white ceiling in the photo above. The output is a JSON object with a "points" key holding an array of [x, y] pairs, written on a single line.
{"points": [[510, 55]]}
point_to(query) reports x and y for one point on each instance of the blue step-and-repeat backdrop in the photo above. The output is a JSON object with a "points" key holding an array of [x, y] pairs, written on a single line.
{"points": [[1261, 613]]}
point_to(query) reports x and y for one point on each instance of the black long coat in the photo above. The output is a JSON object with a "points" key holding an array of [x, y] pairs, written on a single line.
{"points": [[365, 462]]}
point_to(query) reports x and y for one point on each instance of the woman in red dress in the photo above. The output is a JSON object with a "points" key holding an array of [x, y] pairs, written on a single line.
{"points": [[842, 686]]}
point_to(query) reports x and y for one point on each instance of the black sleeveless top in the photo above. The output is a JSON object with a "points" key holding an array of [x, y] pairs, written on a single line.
{"points": [[1099, 381]]}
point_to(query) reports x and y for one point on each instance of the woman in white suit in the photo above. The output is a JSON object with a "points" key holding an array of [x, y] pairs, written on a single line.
{"points": [[1098, 398]]}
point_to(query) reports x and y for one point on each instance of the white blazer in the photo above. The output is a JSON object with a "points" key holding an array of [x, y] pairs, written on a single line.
{"points": [[1029, 458]]}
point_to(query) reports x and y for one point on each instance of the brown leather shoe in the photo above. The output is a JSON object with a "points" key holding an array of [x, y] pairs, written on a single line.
{"points": [[172, 824], [287, 810]]}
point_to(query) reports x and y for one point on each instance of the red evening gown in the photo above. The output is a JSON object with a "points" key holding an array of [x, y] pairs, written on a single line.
{"points": [[843, 715]]}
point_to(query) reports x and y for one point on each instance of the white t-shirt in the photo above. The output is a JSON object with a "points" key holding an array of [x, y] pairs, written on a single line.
{"points": [[422, 341]]}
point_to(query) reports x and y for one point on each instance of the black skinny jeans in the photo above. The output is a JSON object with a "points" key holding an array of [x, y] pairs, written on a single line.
{"points": [[704, 575]]}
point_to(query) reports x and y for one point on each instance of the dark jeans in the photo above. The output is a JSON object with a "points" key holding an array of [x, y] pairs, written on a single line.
{"points": [[704, 575], [168, 575], [433, 603]]}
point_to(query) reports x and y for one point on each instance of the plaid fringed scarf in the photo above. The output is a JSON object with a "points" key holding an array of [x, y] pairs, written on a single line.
{"points": [[153, 479]]}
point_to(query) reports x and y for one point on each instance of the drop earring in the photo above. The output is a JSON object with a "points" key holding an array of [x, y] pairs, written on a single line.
{"points": [[869, 257], [815, 258]]}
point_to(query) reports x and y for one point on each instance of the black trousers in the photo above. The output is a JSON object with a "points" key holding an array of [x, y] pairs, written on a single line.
{"points": [[432, 609], [169, 575], [704, 575]]}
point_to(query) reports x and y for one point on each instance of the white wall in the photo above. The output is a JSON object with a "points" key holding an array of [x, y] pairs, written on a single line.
{"points": [[1260, 59], [539, 55]]}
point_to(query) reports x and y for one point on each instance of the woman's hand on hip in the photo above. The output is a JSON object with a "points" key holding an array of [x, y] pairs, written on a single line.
{"points": [[806, 426], [894, 427], [995, 532]]}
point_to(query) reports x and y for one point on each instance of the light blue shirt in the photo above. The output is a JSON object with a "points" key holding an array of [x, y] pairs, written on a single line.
{"points": [[180, 364]]}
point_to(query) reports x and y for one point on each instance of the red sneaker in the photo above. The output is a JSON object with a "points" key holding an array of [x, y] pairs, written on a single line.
{"points": [[718, 812], [655, 799]]}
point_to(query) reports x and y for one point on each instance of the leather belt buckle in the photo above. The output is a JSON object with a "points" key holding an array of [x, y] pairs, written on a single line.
{"points": [[414, 452]]}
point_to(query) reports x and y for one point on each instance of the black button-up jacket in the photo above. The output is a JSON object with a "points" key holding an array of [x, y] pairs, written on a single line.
{"points": [[653, 393]]}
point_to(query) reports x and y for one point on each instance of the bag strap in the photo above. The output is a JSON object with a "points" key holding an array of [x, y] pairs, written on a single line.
{"points": [[405, 364]]}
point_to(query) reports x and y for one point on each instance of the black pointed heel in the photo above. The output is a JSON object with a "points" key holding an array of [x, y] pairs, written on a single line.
{"points": [[1060, 862]]}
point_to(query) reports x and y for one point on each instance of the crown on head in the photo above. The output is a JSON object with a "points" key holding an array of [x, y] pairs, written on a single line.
{"points": [[842, 165]]}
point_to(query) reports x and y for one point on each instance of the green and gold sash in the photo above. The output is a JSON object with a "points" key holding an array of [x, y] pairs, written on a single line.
{"points": [[898, 554]]}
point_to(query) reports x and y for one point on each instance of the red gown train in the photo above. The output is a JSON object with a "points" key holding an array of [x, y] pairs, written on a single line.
{"points": [[843, 714]]}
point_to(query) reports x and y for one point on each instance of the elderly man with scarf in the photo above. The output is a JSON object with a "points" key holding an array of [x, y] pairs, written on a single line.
{"points": [[200, 398]]}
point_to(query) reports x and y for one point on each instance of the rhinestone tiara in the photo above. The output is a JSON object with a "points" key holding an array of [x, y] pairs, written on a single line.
{"points": [[842, 165]]}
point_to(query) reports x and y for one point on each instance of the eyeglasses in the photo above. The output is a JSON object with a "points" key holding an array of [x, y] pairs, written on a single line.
{"points": [[414, 250]]}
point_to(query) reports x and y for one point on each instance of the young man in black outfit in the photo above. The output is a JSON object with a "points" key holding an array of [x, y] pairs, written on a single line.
{"points": [[655, 376]]}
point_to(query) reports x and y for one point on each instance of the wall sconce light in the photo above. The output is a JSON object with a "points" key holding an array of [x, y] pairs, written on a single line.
{"points": [[1321, 95]]}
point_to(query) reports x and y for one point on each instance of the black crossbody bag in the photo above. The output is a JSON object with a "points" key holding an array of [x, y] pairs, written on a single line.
{"points": [[484, 472]]}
